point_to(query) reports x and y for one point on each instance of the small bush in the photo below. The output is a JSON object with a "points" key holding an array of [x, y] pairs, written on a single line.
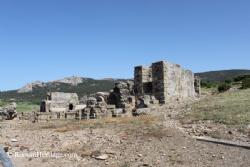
{"points": [[228, 81], [246, 83], [207, 84], [224, 87], [241, 78]]}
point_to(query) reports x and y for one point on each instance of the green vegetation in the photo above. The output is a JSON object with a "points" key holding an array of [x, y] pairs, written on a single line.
{"points": [[222, 76], [246, 83], [3, 103], [22, 106], [230, 108], [223, 87], [208, 84], [89, 86], [241, 78], [26, 107], [228, 81]]}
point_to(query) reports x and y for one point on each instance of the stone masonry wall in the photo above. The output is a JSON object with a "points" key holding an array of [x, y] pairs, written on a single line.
{"points": [[142, 75], [159, 71], [169, 81]]}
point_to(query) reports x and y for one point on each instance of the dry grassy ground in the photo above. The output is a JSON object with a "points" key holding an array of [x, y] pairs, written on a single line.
{"points": [[225, 115]]}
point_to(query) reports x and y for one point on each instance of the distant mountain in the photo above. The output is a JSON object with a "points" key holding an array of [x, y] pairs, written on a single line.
{"points": [[220, 76], [72, 81], [36, 91], [29, 87]]}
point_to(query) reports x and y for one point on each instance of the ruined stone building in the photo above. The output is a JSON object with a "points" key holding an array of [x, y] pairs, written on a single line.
{"points": [[165, 81], [121, 94], [59, 102]]}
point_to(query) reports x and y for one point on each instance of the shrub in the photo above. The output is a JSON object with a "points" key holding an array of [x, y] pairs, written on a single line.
{"points": [[241, 78], [207, 84], [228, 81], [223, 87], [246, 83]]}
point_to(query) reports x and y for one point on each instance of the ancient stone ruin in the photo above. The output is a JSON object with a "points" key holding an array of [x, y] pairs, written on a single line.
{"points": [[119, 96], [8, 112], [161, 83], [59, 101], [166, 81], [197, 85]]}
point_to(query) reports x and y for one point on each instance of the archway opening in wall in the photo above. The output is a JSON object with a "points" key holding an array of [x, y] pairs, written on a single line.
{"points": [[148, 87], [71, 106], [130, 100], [43, 107]]}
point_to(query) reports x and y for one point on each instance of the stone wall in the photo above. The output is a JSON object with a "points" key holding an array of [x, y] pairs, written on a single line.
{"points": [[197, 85], [63, 97], [159, 72], [59, 101], [142, 79], [169, 82]]}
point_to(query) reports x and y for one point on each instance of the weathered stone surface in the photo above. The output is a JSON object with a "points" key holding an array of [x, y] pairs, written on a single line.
{"points": [[143, 80], [8, 112], [121, 93], [91, 101], [117, 112], [59, 100], [166, 81], [197, 85], [141, 111], [102, 157]]}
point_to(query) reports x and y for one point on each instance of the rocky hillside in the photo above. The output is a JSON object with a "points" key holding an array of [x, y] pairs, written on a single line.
{"points": [[220, 76], [34, 92], [71, 81]]}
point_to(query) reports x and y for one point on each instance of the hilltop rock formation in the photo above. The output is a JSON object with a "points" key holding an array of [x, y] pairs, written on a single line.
{"points": [[29, 87], [74, 81]]}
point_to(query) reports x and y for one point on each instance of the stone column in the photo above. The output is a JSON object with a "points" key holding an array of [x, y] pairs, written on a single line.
{"points": [[159, 70]]}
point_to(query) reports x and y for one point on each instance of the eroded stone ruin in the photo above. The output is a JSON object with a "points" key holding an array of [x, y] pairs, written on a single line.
{"points": [[165, 81], [119, 96], [8, 112], [161, 83], [59, 101]]}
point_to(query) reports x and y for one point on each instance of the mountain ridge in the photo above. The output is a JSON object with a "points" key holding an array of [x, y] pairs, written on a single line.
{"points": [[36, 91], [222, 75]]}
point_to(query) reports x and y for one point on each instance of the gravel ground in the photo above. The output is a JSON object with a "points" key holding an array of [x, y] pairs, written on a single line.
{"points": [[123, 142]]}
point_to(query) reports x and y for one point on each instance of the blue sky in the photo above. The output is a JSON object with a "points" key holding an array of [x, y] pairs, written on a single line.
{"points": [[50, 39]]}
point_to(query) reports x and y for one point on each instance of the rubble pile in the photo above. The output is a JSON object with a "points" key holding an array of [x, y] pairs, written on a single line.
{"points": [[96, 108], [120, 94], [8, 112], [144, 104]]}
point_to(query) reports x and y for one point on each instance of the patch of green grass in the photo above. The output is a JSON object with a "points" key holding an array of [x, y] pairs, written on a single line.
{"points": [[26, 107], [231, 108], [3, 103]]}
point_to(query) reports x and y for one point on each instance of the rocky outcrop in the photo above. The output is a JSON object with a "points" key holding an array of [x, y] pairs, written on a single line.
{"points": [[29, 87], [74, 81]]}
